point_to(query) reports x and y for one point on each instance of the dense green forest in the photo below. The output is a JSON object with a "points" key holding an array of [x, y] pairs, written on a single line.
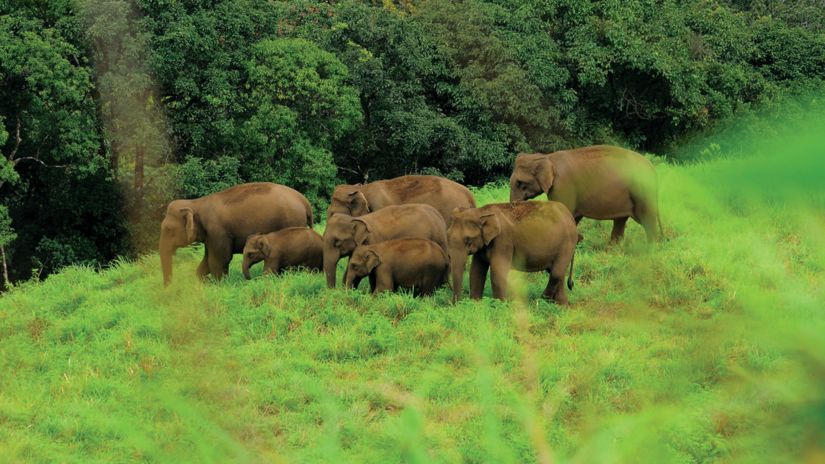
{"points": [[109, 108]]}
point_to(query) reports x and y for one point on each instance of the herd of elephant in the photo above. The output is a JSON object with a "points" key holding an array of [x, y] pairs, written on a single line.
{"points": [[415, 232]]}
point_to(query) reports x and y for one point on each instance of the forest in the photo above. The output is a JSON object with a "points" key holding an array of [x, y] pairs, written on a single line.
{"points": [[110, 108]]}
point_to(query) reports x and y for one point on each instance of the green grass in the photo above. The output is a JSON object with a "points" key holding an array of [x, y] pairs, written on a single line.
{"points": [[708, 346]]}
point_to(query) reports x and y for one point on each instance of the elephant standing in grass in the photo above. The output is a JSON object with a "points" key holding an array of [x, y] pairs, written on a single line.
{"points": [[525, 235], [442, 194], [410, 263], [223, 221], [288, 248], [344, 233], [598, 182]]}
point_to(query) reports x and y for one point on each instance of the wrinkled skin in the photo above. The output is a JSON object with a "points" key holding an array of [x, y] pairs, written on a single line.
{"points": [[525, 235], [344, 233], [598, 182], [442, 194], [409, 263], [288, 248], [223, 220]]}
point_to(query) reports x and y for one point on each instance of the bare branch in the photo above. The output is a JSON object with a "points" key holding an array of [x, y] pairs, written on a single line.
{"points": [[38, 160]]}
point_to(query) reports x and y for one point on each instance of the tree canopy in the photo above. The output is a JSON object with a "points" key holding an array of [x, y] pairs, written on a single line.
{"points": [[109, 108]]}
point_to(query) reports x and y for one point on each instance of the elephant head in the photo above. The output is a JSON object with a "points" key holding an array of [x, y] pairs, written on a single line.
{"points": [[179, 228], [255, 250], [471, 229], [361, 263], [349, 200], [532, 176], [342, 235]]}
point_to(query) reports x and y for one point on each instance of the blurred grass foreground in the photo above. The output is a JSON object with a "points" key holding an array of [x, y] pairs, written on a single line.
{"points": [[709, 346]]}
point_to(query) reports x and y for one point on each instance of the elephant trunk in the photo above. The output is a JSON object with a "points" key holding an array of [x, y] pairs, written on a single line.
{"points": [[166, 251], [245, 268], [330, 263], [458, 260]]}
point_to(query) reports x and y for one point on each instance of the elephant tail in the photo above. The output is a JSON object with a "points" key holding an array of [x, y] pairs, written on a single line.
{"points": [[309, 215], [570, 275]]}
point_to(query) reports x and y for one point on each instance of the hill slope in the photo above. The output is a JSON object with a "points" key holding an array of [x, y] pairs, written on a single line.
{"points": [[706, 346]]}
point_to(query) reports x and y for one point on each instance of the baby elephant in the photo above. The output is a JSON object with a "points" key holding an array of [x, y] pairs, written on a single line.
{"points": [[291, 247], [411, 263]]}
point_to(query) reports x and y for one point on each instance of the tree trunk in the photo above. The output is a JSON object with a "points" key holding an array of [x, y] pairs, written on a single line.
{"points": [[140, 150], [6, 282]]}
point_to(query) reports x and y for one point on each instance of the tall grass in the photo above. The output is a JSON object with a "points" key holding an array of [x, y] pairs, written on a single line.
{"points": [[708, 346]]}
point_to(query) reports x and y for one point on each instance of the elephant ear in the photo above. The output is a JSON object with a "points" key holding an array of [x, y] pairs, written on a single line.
{"points": [[189, 223], [360, 231], [490, 227], [263, 245], [358, 203], [373, 260], [545, 173]]}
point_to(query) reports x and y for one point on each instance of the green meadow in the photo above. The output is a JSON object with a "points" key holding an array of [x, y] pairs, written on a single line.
{"points": [[708, 346]]}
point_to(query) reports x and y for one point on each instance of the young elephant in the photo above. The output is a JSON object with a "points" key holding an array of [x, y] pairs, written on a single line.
{"points": [[525, 235], [344, 233], [410, 263], [292, 247], [599, 182], [223, 220], [442, 194]]}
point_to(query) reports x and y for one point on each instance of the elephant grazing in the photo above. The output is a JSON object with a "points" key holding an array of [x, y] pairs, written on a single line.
{"points": [[598, 182], [442, 194], [344, 233], [223, 221], [525, 235], [412, 263]]}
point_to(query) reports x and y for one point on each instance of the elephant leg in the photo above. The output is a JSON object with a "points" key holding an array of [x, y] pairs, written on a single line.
{"points": [[203, 268], [478, 276], [220, 255], [646, 215], [618, 230], [499, 270], [383, 282], [372, 282], [555, 285]]}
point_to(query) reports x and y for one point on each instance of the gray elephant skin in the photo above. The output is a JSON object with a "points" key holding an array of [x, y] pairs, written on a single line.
{"points": [[410, 263], [442, 194], [292, 247], [344, 233], [525, 235], [598, 182], [223, 221]]}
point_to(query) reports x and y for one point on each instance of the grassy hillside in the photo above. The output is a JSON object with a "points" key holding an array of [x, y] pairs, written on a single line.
{"points": [[708, 346]]}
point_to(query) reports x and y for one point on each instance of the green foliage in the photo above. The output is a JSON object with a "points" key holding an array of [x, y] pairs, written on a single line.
{"points": [[196, 177], [7, 234], [301, 106]]}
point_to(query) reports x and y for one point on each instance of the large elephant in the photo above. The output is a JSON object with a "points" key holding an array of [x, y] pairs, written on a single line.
{"points": [[442, 194], [598, 182], [223, 221], [410, 263], [344, 232], [525, 235], [287, 248]]}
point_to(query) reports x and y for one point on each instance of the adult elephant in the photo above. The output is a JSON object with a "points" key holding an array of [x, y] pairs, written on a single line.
{"points": [[528, 236], [223, 221], [598, 182], [442, 194], [344, 233]]}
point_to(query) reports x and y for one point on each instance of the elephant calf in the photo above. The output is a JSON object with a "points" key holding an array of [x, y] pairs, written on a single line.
{"points": [[411, 263], [526, 235], [287, 248], [344, 233]]}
